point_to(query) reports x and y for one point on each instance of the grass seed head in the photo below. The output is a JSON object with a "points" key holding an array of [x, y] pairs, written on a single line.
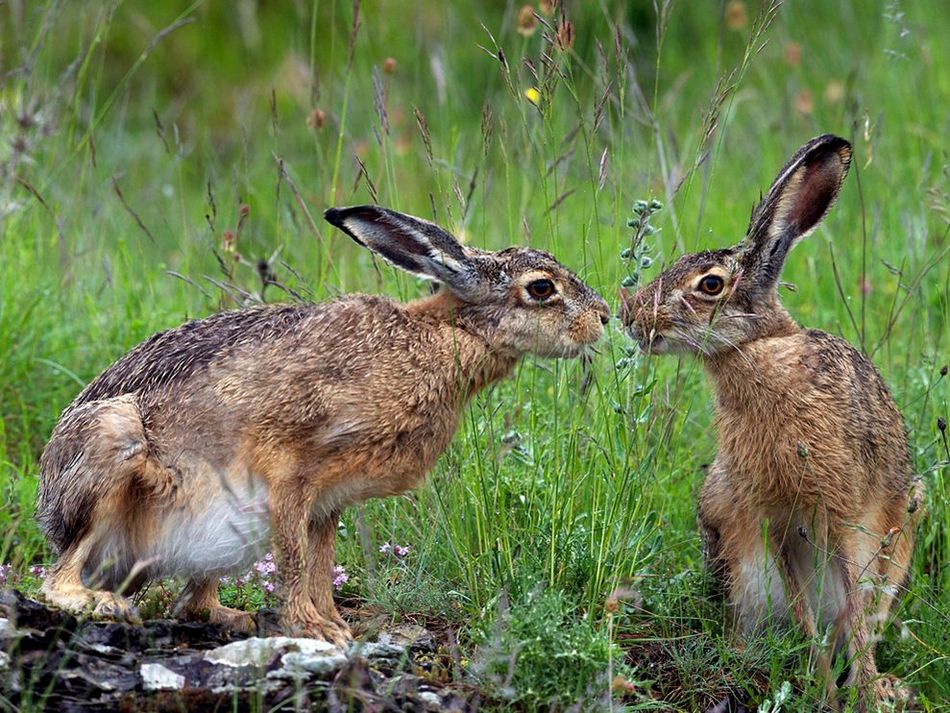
{"points": [[565, 35]]}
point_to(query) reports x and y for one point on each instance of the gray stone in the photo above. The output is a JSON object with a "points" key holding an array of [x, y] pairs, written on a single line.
{"points": [[430, 700], [411, 636], [297, 664], [376, 650], [256, 651], [156, 677]]}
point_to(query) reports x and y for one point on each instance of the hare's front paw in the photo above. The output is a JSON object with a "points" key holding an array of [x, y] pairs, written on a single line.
{"points": [[334, 631]]}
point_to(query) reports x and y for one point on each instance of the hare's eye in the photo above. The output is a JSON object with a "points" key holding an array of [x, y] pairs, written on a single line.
{"points": [[711, 285], [540, 289]]}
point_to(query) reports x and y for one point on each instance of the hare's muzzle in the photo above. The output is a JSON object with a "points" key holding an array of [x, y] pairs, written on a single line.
{"points": [[640, 321]]}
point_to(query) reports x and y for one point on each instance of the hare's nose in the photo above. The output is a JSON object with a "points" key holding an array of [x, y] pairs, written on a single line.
{"points": [[604, 318]]}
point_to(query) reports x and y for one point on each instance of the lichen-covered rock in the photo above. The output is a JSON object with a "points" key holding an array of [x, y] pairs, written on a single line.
{"points": [[54, 661]]}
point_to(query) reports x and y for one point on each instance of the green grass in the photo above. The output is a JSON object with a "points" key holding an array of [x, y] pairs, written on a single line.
{"points": [[549, 500]]}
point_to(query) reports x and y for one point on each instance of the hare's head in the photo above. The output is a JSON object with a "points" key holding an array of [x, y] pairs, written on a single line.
{"points": [[713, 301], [519, 299]]}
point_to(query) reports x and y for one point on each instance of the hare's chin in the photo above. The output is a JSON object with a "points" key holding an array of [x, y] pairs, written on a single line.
{"points": [[659, 345], [573, 351]]}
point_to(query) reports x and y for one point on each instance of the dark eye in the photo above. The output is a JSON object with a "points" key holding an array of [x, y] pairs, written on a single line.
{"points": [[540, 289], [711, 284]]}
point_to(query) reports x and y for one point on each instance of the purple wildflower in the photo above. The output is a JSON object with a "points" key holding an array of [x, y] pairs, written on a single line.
{"points": [[266, 566], [340, 577], [5, 571], [38, 570], [391, 548]]}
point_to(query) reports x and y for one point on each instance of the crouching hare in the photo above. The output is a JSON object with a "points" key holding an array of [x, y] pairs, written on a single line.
{"points": [[809, 506], [185, 456]]}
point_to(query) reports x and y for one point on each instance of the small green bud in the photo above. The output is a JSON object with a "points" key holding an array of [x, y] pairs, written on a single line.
{"points": [[626, 253], [640, 206], [633, 223], [646, 261], [629, 281], [656, 205], [648, 229]]}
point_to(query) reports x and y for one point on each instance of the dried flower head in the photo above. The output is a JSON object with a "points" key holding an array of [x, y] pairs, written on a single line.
{"points": [[736, 15], [389, 65], [804, 104], [547, 7], [834, 91], [316, 119], [527, 22], [792, 54]]}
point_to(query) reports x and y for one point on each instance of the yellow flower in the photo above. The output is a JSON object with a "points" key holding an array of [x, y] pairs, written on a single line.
{"points": [[533, 96]]}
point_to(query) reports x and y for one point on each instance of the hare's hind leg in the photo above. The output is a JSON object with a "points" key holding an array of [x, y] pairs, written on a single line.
{"points": [[64, 588], [876, 571], [97, 455], [199, 602]]}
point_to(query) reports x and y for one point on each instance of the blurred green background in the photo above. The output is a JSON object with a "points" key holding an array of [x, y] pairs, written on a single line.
{"points": [[134, 135]]}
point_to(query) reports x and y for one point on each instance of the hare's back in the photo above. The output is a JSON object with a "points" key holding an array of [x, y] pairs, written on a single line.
{"points": [[176, 355], [863, 402]]}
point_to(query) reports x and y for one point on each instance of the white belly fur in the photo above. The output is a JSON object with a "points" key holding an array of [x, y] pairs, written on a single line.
{"points": [[763, 597], [229, 533]]}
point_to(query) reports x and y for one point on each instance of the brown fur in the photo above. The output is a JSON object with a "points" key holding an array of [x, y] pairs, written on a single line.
{"points": [[810, 441], [169, 460]]}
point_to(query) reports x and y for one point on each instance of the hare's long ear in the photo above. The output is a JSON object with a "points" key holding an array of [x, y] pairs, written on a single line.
{"points": [[415, 245], [800, 197]]}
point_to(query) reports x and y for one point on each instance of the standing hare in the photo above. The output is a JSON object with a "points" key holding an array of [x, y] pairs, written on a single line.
{"points": [[184, 456], [813, 475]]}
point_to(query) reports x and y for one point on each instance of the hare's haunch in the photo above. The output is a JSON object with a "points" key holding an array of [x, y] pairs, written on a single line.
{"points": [[205, 442], [812, 451]]}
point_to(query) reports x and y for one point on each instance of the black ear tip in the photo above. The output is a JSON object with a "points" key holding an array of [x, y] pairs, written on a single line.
{"points": [[831, 142], [334, 216]]}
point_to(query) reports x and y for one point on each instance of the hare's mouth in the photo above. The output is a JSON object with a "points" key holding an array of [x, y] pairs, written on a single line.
{"points": [[650, 344], [657, 345]]}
